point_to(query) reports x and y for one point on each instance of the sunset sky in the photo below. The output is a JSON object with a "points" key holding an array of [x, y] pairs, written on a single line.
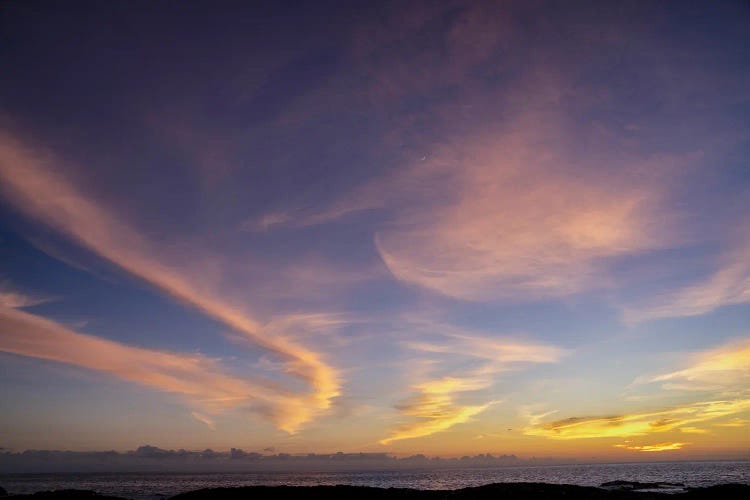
{"points": [[408, 227]]}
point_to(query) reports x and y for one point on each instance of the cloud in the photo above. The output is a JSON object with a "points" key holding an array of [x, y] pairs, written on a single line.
{"points": [[205, 420], [514, 212], [10, 297], [33, 184], [372, 196], [637, 424], [528, 186], [434, 413], [320, 327], [199, 380], [503, 352], [436, 408], [734, 422], [729, 285], [265, 222], [516, 222], [724, 368], [694, 430], [535, 185], [653, 447], [723, 371]]}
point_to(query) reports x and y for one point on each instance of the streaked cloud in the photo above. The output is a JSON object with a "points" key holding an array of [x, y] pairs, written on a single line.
{"points": [[723, 368], [490, 217], [648, 448], [728, 285], [638, 424], [210, 423], [734, 422], [31, 181], [199, 380], [502, 352], [308, 324], [10, 297], [513, 222]]}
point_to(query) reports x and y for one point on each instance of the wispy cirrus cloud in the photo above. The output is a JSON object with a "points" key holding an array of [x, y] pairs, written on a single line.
{"points": [[11, 297], [265, 222], [722, 369], [199, 380], [200, 417], [522, 191], [515, 223], [728, 285], [501, 352], [492, 216], [33, 184]]}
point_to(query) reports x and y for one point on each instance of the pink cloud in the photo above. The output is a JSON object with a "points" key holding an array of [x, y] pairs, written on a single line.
{"points": [[33, 183], [515, 215], [200, 380]]}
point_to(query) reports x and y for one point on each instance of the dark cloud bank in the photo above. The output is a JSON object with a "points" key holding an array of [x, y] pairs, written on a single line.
{"points": [[151, 458]]}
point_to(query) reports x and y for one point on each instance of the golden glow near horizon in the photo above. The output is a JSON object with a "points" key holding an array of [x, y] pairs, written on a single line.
{"points": [[653, 447], [461, 237], [639, 424]]}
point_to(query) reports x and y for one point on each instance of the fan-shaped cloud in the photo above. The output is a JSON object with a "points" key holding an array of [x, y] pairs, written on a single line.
{"points": [[437, 405]]}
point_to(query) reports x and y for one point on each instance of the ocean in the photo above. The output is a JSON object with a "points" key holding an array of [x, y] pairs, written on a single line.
{"points": [[151, 486]]}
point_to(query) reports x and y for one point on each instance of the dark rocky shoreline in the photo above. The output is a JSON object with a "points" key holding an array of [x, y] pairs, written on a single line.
{"points": [[615, 490]]}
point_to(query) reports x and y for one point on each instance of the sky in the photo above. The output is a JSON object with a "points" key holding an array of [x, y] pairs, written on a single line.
{"points": [[446, 228]]}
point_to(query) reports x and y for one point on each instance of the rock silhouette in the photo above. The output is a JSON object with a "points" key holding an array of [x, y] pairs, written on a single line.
{"points": [[499, 491]]}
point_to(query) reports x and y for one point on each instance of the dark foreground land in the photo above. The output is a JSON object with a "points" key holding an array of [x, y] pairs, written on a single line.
{"points": [[617, 490]]}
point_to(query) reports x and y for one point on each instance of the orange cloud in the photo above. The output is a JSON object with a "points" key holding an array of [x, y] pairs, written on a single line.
{"points": [[653, 447], [35, 187], [196, 378], [637, 424]]}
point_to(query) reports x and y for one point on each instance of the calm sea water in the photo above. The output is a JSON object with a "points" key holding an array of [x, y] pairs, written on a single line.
{"points": [[158, 485]]}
